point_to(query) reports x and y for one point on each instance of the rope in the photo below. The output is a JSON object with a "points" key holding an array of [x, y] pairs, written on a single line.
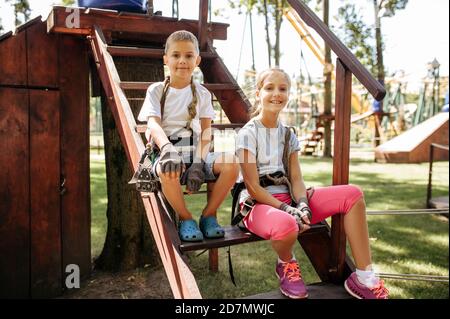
{"points": [[408, 212], [414, 277]]}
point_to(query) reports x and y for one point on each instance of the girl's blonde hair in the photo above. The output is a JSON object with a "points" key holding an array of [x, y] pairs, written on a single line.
{"points": [[256, 109], [182, 35]]}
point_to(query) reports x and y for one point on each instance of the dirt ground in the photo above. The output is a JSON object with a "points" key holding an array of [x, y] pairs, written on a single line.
{"points": [[137, 284]]}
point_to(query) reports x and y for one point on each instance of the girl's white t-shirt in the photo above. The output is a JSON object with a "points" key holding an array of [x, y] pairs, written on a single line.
{"points": [[176, 109], [267, 145]]}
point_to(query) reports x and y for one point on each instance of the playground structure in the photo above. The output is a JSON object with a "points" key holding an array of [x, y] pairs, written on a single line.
{"points": [[418, 125], [412, 146], [44, 127]]}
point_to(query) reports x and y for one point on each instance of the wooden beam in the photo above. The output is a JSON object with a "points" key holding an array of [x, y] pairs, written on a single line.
{"points": [[233, 102], [341, 162], [135, 23], [203, 24], [235, 236], [210, 86], [147, 53]]}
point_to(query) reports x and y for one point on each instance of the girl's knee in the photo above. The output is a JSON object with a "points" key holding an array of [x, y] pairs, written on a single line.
{"points": [[355, 191], [285, 227]]}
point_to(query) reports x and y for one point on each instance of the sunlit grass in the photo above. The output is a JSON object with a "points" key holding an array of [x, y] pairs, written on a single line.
{"points": [[414, 244]]}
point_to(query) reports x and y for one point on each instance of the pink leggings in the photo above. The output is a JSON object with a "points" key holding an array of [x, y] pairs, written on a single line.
{"points": [[271, 223]]}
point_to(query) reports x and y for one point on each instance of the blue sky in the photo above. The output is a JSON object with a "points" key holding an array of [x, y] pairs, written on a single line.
{"points": [[413, 37]]}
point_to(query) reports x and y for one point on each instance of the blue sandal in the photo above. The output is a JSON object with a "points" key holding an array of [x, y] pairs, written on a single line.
{"points": [[188, 231], [210, 227]]}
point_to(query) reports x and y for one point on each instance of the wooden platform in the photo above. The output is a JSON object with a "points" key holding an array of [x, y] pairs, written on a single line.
{"points": [[439, 202], [234, 236], [319, 290], [413, 145]]}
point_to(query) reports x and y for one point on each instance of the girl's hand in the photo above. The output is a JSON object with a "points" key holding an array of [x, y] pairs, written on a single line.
{"points": [[302, 221], [306, 213]]}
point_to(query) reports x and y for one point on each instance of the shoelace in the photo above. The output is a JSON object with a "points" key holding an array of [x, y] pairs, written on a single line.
{"points": [[292, 271], [380, 291]]}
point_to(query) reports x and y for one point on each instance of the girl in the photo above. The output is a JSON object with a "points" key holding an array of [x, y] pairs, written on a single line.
{"points": [[179, 115], [260, 148]]}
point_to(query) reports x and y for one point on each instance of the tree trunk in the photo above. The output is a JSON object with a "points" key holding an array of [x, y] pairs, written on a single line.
{"points": [[278, 21], [327, 70], [269, 44], [129, 243], [380, 67]]}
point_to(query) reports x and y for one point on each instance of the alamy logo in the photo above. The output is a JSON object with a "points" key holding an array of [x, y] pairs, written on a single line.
{"points": [[73, 277], [73, 19]]}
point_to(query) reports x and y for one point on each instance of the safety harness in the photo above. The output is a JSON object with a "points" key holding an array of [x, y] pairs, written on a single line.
{"points": [[277, 178], [145, 177]]}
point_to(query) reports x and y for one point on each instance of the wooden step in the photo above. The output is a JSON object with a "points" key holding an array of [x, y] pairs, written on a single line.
{"points": [[321, 290], [234, 236], [141, 128], [210, 86], [147, 52]]}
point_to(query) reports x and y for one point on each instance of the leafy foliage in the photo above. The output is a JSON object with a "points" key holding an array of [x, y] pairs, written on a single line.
{"points": [[68, 2], [359, 36], [21, 7]]}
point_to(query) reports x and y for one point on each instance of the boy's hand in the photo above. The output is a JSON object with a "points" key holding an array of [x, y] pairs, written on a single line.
{"points": [[170, 160], [302, 220], [195, 176]]}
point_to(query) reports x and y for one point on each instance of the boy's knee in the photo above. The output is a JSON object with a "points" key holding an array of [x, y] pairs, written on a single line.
{"points": [[229, 165]]}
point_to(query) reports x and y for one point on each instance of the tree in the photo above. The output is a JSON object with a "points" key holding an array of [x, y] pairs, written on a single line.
{"points": [[358, 36], [21, 8], [68, 3], [129, 243], [327, 97], [272, 11]]}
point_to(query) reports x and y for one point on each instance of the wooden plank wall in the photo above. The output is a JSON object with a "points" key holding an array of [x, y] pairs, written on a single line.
{"points": [[44, 134], [75, 203], [14, 190], [44, 194]]}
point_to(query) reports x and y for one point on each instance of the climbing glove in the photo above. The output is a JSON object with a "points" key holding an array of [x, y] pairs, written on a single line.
{"points": [[304, 208], [195, 175], [170, 160], [303, 224]]}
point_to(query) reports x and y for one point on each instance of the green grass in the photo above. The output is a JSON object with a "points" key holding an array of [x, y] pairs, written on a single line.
{"points": [[98, 206], [417, 244]]}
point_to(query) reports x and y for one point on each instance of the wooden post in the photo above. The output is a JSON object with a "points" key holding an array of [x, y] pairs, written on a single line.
{"points": [[214, 252], [203, 24], [341, 160]]}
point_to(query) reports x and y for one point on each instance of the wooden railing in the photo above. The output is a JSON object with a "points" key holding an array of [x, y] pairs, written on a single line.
{"points": [[433, 146], [181, 279], [346, 65]]}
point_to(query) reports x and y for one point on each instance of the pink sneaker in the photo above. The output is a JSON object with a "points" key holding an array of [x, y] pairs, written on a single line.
{"points": [[358, 290], [291, 283]]}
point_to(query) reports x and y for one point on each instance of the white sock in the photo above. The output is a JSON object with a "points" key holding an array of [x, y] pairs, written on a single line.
{"points": [[283, 262], [367, 277]]}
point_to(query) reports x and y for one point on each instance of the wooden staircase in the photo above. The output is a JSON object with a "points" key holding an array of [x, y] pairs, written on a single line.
{"points": [[324, 246]]}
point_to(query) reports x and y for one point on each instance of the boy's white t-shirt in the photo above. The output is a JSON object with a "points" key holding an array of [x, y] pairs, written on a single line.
{"points": [[176, 108]]}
